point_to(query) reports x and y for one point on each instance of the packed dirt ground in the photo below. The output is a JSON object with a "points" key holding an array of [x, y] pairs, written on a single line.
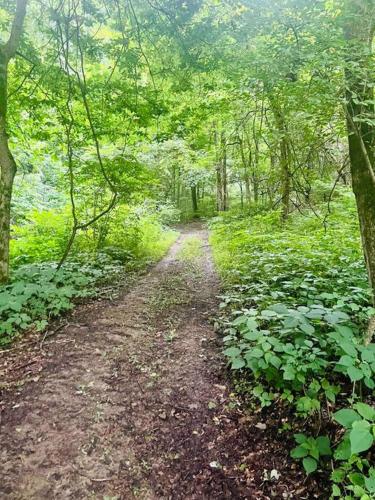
{"points": [[130, 399]]}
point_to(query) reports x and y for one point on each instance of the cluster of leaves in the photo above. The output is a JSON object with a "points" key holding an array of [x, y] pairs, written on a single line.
{"points": [[300, 355], [39, 292], [294, 316]]}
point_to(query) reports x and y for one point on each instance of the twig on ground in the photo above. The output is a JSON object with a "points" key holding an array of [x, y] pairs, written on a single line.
{"points": [[49, 334]]}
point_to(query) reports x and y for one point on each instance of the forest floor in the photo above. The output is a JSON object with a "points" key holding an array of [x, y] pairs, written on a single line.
{"points": [[131, 399]]}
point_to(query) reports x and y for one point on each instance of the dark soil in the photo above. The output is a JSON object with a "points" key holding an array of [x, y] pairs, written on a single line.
{"points": [[131, 400]]}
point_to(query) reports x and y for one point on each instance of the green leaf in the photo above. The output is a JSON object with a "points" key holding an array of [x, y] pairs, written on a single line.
{"points": [[299, 452], [251, 324], [300, 438], [349, 349], [336, 492], [368, 356], [252, 335], [266, 313], [345, 331], [232, 352], [256, 353], [370, 484], [346, 417], [279, 308], [338, 475], [237, 363], [346, 360], [275, 361], [324, 445], [310, 464], [361, 438], [307, 328], [343, 451], [289, 373], [355, 374], [366, 411], [240, 320]]}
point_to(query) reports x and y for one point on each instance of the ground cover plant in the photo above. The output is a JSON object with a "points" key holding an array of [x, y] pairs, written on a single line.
{"points": [[294, 319]]}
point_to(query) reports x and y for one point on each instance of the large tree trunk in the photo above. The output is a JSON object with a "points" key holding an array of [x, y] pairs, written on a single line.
{"points": [[7, 163], [359, 32], [8, 171]]}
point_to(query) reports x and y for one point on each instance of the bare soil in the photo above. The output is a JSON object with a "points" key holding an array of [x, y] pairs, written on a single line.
{"points": [[131, 400]]}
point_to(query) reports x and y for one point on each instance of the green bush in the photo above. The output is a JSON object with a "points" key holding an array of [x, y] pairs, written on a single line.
{"points": [[294, 314], [38, 292], [42, 237]]}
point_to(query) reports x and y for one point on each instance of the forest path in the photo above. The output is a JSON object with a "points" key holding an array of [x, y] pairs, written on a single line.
{"points": [[131, 399]]}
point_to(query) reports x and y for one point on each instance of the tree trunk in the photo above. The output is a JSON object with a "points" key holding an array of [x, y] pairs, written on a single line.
{"points": [[246, 176], [241, 193], [8, 171], [359, 32], [7, 164], [285, 177], [285, 159], [194, 199]]}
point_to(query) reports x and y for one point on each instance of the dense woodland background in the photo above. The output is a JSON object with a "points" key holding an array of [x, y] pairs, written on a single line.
{"points": [[121, 119]]}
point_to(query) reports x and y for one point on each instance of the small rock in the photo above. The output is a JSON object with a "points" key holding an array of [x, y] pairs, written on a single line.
{"points": [[261, 426], [215, 465], [162, 415], [193, 406], [274, 474]]}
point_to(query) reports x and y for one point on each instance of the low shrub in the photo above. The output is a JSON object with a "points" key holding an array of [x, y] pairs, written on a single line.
{"points": [[294, 316]]}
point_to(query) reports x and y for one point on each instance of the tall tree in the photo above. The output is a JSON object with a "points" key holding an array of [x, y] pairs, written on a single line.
{"points": [[7, 163], [359, 26]]}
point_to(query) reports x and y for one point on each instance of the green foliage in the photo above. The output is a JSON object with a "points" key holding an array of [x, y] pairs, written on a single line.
{"points": [[42, 236], [310, 450], [131, 237], [294, 315], [38, 292]]}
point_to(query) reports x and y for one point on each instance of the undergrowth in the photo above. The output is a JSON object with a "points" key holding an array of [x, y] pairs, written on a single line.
{"points": [[128, 240], [294, 316]]}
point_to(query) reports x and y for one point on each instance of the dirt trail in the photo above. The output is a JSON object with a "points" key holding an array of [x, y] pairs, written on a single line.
{"points": [[130, 401]]}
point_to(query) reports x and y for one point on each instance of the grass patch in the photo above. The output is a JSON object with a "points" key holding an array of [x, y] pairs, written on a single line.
{"points": [[191, 249]]}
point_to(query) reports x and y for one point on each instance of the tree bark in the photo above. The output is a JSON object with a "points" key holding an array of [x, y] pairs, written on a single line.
{"points": [[246, 177], [359, 25], [285, 159], [221, 176], [8, 165], [194, 199]]}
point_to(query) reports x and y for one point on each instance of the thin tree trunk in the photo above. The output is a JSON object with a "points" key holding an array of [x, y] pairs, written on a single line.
{"points": [[194, 199], [246, 176], [224, 176], [285, 177], [7, 163], [241, 193], [285, 159]]}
